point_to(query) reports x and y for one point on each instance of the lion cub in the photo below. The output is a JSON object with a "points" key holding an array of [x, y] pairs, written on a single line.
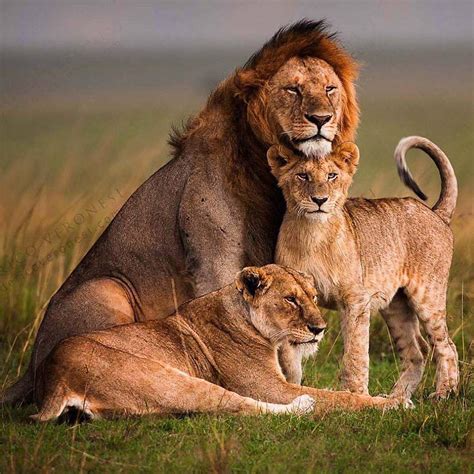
{"points": [[391, 255]]}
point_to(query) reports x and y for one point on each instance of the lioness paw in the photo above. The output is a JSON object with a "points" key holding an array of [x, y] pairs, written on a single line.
{"points": [[302, 405]]}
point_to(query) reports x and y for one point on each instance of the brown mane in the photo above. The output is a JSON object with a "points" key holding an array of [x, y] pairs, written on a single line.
{"points": [[304, 38]]}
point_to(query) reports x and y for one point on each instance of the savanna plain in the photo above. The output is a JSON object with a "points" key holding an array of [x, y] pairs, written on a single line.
{"points": [[71, 155]]}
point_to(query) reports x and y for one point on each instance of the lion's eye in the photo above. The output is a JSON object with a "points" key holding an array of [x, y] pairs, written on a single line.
{"points": [[330, 89], [291, 300], [302, 176], [293, 90], [332, 176]]}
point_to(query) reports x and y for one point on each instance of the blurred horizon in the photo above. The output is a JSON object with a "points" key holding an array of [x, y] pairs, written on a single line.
{"points": [[119, 52], [164, 25]]}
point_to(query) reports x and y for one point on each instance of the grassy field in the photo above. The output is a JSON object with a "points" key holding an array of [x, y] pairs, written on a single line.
{"points": [[66, 169]]}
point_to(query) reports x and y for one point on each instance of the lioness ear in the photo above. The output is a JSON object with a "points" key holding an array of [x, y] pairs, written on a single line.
{"points": [[277, 160], [347, 155], [252, 280]]}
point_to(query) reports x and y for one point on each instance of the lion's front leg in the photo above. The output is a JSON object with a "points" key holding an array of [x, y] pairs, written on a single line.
{"points": [[276, 390], [211, 272], [290, 363], [355, 326], [212, 233]]}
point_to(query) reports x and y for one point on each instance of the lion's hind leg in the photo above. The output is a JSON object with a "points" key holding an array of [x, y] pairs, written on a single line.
{"points": [[412, 348], [114, 383], [290, 363], [429, 301]]}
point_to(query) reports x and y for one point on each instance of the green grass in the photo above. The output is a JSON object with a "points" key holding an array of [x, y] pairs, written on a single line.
{"points": [[435, 437], [66, 169]]}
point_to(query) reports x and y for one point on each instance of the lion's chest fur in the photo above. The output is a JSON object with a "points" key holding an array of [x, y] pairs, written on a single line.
{"points": [[320, 250], [341, 260]]}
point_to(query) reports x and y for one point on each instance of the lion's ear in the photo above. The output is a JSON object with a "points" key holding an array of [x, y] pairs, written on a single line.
{"points": [[252, 281], [347, 156], [246, 82], [277, 160]]}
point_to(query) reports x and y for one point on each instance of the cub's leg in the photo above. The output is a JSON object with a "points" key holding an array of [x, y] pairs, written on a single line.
{"points": [[355, 325], [290, 360], [404, 329], [429, 302], [111, 383]]}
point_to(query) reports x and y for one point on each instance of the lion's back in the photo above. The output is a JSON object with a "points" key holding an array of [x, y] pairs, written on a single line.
{"points": [[400, 230]]}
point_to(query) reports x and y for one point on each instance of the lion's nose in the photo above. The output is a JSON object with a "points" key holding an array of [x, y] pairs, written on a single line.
{"points": [[319, 201], [316, 329], [318, 120]]}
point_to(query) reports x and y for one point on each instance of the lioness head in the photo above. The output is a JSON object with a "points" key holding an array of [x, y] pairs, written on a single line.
{"points": [[315, 188], [282, 304]]}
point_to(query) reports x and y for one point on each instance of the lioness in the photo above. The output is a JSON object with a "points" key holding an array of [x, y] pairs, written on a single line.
{"points": [[218, 353], [391, 255], [214, 208]]}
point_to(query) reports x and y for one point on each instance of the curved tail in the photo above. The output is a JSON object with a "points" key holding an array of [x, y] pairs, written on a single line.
{"points": [[446, 203]]}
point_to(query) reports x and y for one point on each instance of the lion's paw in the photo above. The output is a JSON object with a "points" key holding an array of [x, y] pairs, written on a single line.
{"points": [[302, 405], [441, 395], [407, 404]]}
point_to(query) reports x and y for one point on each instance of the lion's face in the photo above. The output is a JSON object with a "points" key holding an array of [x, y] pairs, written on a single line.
{"points": [[304, 102], [282, 304], [315, 188]]}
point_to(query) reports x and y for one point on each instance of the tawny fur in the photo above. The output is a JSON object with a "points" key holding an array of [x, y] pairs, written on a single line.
{"points": [[218, 353], [214, 208], [390, 255]]}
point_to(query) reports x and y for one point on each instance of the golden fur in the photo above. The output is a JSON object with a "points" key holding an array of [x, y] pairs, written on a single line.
{"points": [[214, 208], [218, 353], [391, 255]]}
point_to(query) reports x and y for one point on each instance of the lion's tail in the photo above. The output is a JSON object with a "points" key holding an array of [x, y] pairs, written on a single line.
{"points": [[446, 203]]}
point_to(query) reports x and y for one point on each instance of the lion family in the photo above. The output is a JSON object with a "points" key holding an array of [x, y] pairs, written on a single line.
{"points": [[111, 341]]}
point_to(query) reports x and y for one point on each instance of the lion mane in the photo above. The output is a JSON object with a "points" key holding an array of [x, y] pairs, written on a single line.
{"points": [[302, 39]]}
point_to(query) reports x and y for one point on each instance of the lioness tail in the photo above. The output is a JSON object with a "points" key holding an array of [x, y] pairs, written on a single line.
{"points": [[446, 203]]}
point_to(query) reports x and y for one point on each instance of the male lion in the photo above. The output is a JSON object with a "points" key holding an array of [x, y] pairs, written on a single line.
{"points": [[215, 206], [391, 255], [218, 353]]}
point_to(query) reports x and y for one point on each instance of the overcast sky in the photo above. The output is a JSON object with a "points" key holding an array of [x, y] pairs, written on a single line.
{"points": [[99, 24]]}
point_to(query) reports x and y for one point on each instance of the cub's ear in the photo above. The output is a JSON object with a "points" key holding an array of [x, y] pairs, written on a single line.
{"points": [[277, 159], [252, 280], [309, 278], [347, 156]]}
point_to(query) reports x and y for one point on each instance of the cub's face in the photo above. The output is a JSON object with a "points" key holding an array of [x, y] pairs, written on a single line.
{"points": [[305, 103], [315, 188], [282, 304]]}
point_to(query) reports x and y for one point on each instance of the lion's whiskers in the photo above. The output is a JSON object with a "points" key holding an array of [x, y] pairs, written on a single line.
{"points": [[279, 335]]}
